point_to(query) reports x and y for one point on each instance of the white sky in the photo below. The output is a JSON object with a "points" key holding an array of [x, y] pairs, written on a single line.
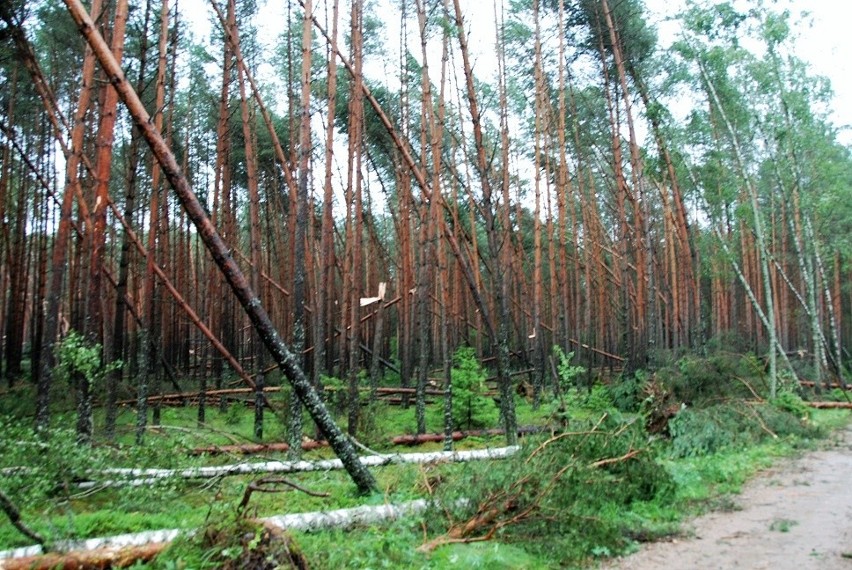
{"points": [[825, 40]]}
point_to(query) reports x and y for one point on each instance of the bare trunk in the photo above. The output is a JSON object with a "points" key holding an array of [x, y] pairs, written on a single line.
{"points": [[251, 304], [95, 319]]}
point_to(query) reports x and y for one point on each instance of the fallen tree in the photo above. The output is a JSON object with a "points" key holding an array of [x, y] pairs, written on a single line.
{"points": [[251, 448], [830, 405], [78, 560], [138, 477], [418, 439], [311, 444], [812, 384], [124, 550]]}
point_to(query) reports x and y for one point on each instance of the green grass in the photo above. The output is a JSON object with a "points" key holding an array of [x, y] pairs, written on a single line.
{"points": [[701, 482]]}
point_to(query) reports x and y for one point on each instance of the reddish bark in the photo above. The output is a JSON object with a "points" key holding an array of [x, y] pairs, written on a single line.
{"points": [[288, 362], [458, 435], [249, 449]]}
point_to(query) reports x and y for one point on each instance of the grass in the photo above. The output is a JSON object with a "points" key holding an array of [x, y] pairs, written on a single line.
{"points": [[701, 483]]}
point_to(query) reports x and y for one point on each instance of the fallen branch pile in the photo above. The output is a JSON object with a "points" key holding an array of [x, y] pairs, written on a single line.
{"points": [[553, 490]]}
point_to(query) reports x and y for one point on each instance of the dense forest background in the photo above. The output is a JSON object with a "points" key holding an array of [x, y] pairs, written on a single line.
{"points": [[390, 204]]}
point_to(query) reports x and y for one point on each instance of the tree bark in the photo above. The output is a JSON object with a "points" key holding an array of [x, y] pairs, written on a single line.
{"points": [[220, 252]]}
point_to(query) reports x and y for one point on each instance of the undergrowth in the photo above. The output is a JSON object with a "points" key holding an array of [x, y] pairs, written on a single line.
{"points": [[595, 484]]}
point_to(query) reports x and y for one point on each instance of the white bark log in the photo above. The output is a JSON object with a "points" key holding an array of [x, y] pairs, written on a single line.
{"points": [[307, 522], [138, 477]]}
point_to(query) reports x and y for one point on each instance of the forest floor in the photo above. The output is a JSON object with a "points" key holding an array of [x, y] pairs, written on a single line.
{"points": [[795, 515]]}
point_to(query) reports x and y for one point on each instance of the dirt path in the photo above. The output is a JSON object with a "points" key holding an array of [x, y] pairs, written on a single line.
{"points": [[796, 515]]}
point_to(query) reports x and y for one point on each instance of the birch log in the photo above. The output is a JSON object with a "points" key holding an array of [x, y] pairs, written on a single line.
{"points": [[119, 547], [140, 477]]}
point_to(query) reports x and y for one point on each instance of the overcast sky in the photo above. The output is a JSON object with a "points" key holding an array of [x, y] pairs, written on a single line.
{"points": [[825, 38], [825, 41]]}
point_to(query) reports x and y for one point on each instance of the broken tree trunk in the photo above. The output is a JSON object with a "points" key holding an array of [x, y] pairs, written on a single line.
{"points": [[98, 558], [458, 435], [251, 448], [344, 449]]}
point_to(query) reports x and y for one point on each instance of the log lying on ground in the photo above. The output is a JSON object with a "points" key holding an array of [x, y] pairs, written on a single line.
{"points": [[812, 384], [139, 477], [100, 558], [181, 398], [108, 548], [400, 401], [119, 551], [457, 435], [831, 405], [390, 390], [310, 444], [251, 448]]}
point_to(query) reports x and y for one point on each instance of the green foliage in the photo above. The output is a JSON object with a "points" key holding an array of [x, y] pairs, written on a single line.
{"points": [[390, 546], [696, 380], [44, 464], [42, 470], [567, 372], [334, 393], [571, 489], [371, 428], [599, 399], [735, 424], [77, 356], [627, 392], [471, 407], [790, 402], [491, 555], [234, 415]]}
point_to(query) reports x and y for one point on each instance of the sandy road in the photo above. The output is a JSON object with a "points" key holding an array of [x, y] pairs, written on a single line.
{"points": [[796, 515]]}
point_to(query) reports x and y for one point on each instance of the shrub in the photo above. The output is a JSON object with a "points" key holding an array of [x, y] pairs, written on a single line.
{"points": [[471, 407], [76, 356], [790, 402], [566, 371]]}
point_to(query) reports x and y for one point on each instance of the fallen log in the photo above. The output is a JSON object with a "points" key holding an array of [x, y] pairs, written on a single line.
{"points": [[831, 405], [310, 444], [138, 477], [812, 384], [597, 350], [399, 401], [458, 435], [395, 390], [78, 560], [210, 394], [118, 551], [194, 395], [252, 448]]}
